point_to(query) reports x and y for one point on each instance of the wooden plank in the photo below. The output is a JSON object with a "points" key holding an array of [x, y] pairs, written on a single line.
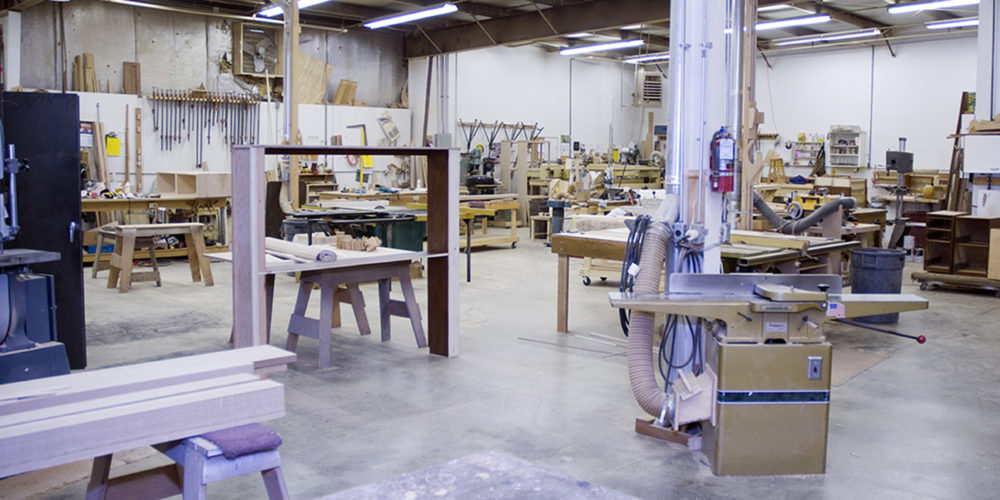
{"points": [[768, 239], [993, 267], [61, 440], [123, 399], [64, 389], [138, 150], [130, 76], [127, 154]]}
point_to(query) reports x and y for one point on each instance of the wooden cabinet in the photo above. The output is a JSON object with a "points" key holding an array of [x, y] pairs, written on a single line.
{"points": [[940, 250], [972, 244], [845, 149], [310, 185]]}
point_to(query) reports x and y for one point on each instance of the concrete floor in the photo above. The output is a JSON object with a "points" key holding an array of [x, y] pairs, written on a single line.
{"points": [[921, 422]]}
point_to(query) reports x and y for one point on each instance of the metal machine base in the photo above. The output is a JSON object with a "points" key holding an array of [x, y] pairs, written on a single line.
{"points": [[43, 360]]}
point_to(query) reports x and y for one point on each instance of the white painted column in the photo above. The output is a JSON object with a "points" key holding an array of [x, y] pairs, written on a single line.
{"points": [[988, 73], [11, 50]]}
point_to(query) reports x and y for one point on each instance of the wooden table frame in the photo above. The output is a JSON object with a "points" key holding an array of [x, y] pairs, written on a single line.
{"points": [[249, 269]]}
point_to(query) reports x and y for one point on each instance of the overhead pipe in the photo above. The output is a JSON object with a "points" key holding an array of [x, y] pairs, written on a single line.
{"points": [[788, 226]]}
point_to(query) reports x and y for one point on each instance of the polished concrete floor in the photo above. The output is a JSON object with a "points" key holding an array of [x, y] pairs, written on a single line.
{"points": [[907, 421]]}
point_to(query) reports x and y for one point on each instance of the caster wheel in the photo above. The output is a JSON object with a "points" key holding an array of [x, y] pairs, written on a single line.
{"points": [[923, 286], [604, 278], [513, 245], [586, 281]]}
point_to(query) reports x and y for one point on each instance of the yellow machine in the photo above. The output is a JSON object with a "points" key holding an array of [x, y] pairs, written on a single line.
{"points": [[798, 204], [764, 394]]}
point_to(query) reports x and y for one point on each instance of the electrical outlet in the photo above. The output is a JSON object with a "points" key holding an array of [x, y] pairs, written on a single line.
{"points": [[815, 368]]}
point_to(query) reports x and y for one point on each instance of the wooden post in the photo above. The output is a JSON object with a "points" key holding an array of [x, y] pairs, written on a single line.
{"points": [[292, 96], [138, 150], [127, 156], [249, 309]]}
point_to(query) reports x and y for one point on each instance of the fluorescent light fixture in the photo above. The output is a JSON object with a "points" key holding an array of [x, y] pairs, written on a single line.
{"points": [[276, 10], [632, 27], [942, 4], [830, 37], [440, 10], [648, 58], [769, 8], [795, 21], [601, 47], [953, 23], [579, 35]]}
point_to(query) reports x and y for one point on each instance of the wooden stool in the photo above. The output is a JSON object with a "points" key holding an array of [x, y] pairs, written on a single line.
{"points": [[201, 462], [328, 279], [120, 265], [128, 237]]}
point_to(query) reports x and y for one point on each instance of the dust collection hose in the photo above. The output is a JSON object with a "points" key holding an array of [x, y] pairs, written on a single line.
{"points": [[641, 371], [796, 227]]}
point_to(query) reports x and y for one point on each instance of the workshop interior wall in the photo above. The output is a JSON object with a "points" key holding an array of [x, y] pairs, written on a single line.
{"points": [[185, 51], [530, 84], [914, 95]]}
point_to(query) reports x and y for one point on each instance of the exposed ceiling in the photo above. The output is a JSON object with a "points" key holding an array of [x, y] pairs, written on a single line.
{"points": [[556, 24]]}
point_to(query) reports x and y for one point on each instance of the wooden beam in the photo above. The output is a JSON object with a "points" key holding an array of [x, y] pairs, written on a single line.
{"points": [[587, 16]]}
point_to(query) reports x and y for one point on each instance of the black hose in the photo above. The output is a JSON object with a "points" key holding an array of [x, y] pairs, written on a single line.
{"points": [[787, 226]]}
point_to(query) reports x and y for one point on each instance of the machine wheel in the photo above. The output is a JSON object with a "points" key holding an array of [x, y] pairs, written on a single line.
{"points": [[586, 281], [513, 244], [923, 286], [795, 210]]}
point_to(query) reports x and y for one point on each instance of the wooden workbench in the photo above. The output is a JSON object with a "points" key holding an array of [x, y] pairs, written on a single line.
{"points": [[818, 254], [249, 268]]}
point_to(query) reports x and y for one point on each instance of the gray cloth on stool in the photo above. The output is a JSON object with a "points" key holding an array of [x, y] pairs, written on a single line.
{"points": [[243, 440]]}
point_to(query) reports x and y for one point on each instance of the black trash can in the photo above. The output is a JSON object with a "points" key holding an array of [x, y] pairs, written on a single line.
{"points": [[877, 270]]}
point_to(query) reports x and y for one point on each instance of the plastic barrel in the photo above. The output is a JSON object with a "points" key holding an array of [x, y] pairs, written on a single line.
{"points": [[877, 270]]}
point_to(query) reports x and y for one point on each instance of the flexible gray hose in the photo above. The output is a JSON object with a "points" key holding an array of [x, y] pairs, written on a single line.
{"points": [[641, 371], [795, 227]]}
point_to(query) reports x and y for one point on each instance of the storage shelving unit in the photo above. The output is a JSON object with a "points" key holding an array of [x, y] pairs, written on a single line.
{"points": [[940, 251], [804, 153], [972, 244], [845, 149]]}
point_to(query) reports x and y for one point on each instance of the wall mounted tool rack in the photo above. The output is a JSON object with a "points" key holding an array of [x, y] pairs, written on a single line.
{"points": [[197, 115]]}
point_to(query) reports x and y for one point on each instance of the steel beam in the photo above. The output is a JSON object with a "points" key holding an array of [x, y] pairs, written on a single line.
{"points": [[587, 16]]}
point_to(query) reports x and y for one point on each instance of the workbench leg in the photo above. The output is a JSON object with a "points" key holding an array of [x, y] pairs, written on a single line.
{"points": [[152, 260], [114, 263], [358, 306], [269, 304], [325, 332], [192, 255], [468, 249], [513, 224], [198, 235], [301, 303], [128, 252], [97, 255], [411, 307], [562, 296], [384, 287], [97, 489]]}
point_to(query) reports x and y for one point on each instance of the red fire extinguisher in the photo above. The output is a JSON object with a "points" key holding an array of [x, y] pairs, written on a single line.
{"points": [[723, 158]]}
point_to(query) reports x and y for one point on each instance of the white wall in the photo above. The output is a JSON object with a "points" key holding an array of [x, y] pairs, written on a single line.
{"points": [[914, 95], [529, 84]]}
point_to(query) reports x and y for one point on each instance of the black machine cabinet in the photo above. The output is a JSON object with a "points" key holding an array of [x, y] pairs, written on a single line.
{"points": [[45, 130]]}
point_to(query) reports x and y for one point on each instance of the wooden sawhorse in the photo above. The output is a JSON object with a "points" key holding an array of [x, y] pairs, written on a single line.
{"points": [[329, 279]]}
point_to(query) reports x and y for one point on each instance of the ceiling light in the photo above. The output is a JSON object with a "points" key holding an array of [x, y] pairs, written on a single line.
{"points": [[769, 8], [579, 35], [648, 58], [600, 47], [830, 38], [632, 27], [440, 10], [795, 21], [942, 4], [953, 23], [276, 10]]}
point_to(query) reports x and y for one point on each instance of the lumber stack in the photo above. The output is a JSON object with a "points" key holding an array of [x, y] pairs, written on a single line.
{"points": [[57, 420], [84, 77]]}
